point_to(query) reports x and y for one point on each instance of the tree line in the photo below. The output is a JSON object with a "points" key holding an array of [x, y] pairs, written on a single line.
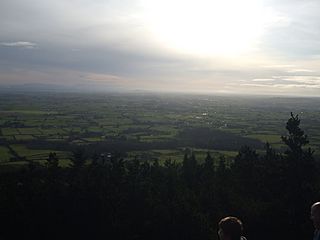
{"points": [[110, 198]]}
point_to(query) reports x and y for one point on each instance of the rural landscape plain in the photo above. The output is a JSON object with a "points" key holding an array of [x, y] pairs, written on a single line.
{"points": [[146, 126]]}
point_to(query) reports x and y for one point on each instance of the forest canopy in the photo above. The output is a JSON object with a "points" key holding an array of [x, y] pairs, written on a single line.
{"points": [[100, 196]]}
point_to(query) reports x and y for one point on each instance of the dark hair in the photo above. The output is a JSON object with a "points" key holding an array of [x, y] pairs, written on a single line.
{"points": [[232, 227]]}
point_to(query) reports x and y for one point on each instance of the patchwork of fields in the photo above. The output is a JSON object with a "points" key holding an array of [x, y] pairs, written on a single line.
{"points": [[146, 126]]}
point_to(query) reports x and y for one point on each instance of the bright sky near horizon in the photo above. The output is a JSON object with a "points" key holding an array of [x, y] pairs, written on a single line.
{"points": [[230, 46]]}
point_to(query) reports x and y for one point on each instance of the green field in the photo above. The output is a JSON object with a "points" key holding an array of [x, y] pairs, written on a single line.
{"points": [[272, 138], [148, 126], [9, 131], [4, 154], [23, 137]]}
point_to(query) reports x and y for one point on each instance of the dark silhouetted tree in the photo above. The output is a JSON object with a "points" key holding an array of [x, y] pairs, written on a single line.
{"points": [[300, 173], [52, 160]]}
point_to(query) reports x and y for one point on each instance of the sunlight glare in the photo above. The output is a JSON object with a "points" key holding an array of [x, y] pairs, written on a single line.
{"points": [[206, 27]]}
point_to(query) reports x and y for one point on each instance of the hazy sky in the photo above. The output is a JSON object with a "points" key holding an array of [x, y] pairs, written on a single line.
{"points": [[248, 46]]}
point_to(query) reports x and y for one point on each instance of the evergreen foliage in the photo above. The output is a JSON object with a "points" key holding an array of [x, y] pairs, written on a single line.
{"points": [[111, 198]]}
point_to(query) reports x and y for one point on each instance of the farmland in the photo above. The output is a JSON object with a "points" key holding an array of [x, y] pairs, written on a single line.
{"points": [[146, 126]]}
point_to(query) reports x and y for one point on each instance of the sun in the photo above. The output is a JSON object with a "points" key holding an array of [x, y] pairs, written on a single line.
{"points": [[206, 27]]}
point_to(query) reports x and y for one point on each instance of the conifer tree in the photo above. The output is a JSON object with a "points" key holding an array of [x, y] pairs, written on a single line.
{"points": [[295, 139], [53, 160], [300, 174]]}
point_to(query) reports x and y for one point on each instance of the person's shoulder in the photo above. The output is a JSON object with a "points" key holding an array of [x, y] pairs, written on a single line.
{"points": [[243, 238]]}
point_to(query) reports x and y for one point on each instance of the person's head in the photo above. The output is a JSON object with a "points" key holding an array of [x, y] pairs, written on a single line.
{"points": [[230, 228], [315, 215]]}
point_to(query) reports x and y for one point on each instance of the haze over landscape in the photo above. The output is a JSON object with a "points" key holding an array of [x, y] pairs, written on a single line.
{"points": [[157, 119], [243, 47]]}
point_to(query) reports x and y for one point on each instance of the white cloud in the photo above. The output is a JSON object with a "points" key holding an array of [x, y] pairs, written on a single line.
{"points": [[255, 85], [263, 80], [311, 80], [19, 44], [299, 70], [107, 78], [278, 66], [282, 86], [296, 86]]}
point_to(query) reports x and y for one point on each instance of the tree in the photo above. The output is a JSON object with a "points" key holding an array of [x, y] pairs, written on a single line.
{"points": [[300, 174], [296, 138], [208, 161], [53, 160], [78, 158], [190, 169]]}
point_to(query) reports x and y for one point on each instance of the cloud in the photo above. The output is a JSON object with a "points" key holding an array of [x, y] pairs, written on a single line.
{"points": [[108, 79], [310, 80], [20, 44], [296, 86], [302, 81], [109, 43], [300, 70], [285, 82], [281, 85], [300, 38], [263, 80], [278, 66]]}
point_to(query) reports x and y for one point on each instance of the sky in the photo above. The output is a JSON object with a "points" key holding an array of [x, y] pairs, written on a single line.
{"points": [[211, 46]]}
